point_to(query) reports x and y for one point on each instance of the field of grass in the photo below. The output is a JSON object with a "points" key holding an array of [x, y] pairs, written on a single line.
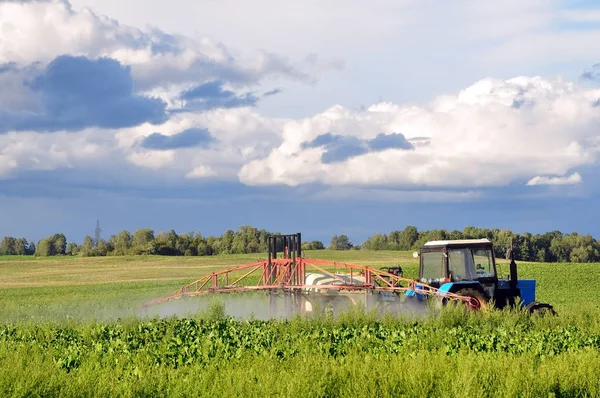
{"points": [[43, 288], [50, 345], [106, 287]]}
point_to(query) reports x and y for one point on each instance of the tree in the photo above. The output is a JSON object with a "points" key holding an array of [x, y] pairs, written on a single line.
{"points": [[52, 246], [21, 246], [376, 242], [44, 248], [313, 245], [341, 242], [559, 250], [59, 242], [140, 242], [7, 246], [87, 248], [14, 247], [408, 237], [204, 249], [121, 243], [581, 254], [31, 248], [72, 249], [102, 248], [394, 240]]}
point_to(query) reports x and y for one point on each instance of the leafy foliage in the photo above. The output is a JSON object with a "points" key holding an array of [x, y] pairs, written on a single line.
{"points": [[65, 340], [475, 352], [548, 247], [12, 246], [341, 242], [52, 245]]}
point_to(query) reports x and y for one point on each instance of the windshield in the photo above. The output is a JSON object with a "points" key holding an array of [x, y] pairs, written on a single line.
{"points": [[470, 264]]}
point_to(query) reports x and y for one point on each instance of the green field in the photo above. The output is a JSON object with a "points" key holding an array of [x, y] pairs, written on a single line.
{"points": [[68, 329], [43, 288]]}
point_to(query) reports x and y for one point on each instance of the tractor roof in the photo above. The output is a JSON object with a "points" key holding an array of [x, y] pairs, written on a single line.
{"points": [[457, 242]]}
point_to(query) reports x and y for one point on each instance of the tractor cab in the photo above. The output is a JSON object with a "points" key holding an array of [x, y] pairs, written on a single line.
{"points": [[459, 261], [468, 267]]}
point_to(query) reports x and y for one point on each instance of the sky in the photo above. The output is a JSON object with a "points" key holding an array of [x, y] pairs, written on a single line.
{"points": [[322, 117]]}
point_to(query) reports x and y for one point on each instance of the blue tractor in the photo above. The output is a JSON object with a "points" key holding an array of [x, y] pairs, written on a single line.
{"points": [[468, 268]]}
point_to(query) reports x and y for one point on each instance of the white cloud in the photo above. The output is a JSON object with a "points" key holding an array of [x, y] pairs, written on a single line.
{"points": [[492, 133], [240, 135], [152, 159], [37, 32], [574, 178], [31, 151], [402, 50], [7, 164], [201, 172]]}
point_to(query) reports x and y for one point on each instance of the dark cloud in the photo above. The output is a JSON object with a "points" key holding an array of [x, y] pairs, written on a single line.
{"points": [[211, 95], [78, 92], [186, 139], [343, 149], [521, 101], [272, 92], [592, 73], [209, 60], [323, 139], [8, 66], [339, 147], [41, 206], [388, 141]]}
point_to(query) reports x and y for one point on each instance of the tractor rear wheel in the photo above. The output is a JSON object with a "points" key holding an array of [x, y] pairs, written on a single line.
{"points": [[540, 308], [481, 302]]}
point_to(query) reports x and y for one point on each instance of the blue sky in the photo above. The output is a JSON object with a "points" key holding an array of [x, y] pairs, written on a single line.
{"points": [[320, 117]]}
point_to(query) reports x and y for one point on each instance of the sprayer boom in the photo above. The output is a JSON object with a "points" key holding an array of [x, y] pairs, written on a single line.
{"points": [[290, 273]]}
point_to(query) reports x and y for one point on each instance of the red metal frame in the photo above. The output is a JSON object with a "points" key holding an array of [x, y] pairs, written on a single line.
{"points": [[290, 275]]}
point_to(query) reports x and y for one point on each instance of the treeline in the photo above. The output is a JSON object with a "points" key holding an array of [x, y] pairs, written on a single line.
{"points": [[548, 247], [16, 246], [144, 241]]}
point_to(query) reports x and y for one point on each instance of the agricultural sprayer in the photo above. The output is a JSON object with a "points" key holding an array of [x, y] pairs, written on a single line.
{"points": [[303, 284]]}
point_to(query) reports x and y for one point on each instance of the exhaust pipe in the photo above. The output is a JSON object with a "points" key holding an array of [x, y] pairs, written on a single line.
{"points": [[513, 267]]}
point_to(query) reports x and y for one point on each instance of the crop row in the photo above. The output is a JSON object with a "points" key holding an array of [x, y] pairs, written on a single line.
{"points": [[179, 342]]}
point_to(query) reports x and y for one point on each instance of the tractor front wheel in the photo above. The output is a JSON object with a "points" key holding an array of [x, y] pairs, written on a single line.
{"points": [[481, 302]]}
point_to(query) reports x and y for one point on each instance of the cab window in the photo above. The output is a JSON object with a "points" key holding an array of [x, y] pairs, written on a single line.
{"points": [[432, 266], [484, 265], [470, 264], [460, 265]]}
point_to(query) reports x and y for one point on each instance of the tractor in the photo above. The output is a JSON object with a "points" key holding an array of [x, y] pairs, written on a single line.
{"points": [[468, 268]]}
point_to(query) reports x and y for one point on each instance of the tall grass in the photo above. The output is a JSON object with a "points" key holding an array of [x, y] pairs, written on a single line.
{"points": [[499, 354], [72, 328]]}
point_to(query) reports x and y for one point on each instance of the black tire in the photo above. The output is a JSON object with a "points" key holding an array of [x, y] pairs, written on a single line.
{"points": [[482, 300], [541, 309]]}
